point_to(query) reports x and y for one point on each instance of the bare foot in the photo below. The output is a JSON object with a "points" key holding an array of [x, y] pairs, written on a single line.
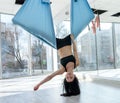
{"points": [[36, 87]]}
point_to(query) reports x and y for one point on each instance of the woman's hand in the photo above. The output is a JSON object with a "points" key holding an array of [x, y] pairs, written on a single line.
{"points": [[77, 62], [36, 87]]}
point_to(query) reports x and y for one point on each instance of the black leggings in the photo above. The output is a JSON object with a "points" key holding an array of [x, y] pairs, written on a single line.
{"points": [[66, 60]]}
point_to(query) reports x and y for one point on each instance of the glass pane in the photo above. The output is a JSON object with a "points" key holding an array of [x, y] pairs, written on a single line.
{"points": [[105, 46], [14, 48], [39, 56], [86, 50]]}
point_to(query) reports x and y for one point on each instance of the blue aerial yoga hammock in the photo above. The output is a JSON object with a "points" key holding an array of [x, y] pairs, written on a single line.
{"points": [[81, 15], [35, 17]]}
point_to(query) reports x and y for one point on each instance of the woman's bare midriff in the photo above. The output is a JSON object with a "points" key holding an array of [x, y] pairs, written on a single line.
{"points": [[65, 51]]}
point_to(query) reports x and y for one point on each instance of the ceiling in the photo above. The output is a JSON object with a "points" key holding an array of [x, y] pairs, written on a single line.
{"points": [[61, 8], [112, 7]]}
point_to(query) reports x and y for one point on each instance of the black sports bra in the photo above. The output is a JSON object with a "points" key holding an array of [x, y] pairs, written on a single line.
{"points": [[63, 42]]}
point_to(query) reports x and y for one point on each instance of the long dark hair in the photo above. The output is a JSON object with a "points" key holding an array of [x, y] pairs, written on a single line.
{"points": [[71, 88]]}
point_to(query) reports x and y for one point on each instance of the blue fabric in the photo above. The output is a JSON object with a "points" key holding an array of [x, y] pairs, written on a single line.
{"points": [[46, 1], [35, 17], [81, 15]]}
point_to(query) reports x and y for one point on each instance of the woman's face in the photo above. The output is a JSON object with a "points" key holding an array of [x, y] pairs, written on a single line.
{"points": [[69, 77]]}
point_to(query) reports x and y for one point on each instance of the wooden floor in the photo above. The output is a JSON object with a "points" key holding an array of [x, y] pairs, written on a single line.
{"points": [[20, 90]]}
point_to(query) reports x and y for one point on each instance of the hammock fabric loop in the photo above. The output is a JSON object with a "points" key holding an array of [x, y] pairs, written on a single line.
{"points": [[35, 17]]}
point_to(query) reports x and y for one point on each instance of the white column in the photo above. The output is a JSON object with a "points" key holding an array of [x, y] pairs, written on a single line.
{"points": [[52, 64], [55, 63], [0, 51], [30, 55], [49, 58]]}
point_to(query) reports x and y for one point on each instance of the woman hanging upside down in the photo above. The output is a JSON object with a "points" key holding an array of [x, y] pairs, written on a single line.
{"points": [[67, 52]]}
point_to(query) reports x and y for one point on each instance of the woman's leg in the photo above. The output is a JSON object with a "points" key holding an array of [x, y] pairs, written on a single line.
{"points": [[49, 77]]}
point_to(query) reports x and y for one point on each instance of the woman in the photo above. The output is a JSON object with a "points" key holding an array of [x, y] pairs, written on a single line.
{"points": [[69, 60]]}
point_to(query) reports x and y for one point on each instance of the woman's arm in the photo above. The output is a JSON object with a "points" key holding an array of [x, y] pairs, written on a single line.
{"points": [[75, 50], [49, 77]]}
